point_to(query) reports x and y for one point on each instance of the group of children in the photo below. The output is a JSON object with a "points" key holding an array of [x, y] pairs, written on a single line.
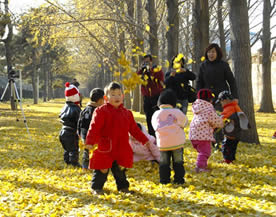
{"points": [[110, 131]]}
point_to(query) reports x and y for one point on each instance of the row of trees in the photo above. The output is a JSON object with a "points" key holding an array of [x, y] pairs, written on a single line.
{"points": [[86, 39]]}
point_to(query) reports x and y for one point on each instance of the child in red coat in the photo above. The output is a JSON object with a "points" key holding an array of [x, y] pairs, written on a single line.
{"points": [[108, 131]]}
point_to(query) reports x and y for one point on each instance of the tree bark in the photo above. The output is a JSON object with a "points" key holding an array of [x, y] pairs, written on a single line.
{"points": [[137, 97], [45, 73], [241, 56], [221, 29], [153, 38], [266, 101], [34, 76], [8, 51], [200, 30], [173, 32]]}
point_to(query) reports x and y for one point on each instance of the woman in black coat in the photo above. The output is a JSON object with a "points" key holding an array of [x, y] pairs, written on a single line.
{"points": [[178, 79], [215, 74]]}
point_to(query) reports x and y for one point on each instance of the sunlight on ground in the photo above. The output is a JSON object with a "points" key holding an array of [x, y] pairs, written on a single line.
{"points": [[34, 181]]}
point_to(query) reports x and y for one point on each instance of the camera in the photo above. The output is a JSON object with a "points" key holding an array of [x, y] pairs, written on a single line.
{"points": [[12, 74], [145, 67]]}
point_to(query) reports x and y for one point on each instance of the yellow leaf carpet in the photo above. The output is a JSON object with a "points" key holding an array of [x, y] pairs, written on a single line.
{"points": [[34, 181]]}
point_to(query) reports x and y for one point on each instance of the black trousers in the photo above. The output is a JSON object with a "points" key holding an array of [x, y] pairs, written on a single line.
{"points": [[70, 144], [229, 148], [100, 178], [150, 106]]}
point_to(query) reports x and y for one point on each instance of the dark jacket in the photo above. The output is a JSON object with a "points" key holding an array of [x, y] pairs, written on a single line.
{"points": [[179, 83], [85, 119], [216, 76], [69, 116]]}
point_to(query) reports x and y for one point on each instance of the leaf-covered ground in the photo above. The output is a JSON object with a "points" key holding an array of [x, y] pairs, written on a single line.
{"points": [[34, 181]]}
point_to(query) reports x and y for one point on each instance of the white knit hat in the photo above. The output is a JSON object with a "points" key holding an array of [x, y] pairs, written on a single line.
{"points": [[71, 93]]}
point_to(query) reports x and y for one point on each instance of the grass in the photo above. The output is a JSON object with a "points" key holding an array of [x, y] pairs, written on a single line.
{"points": [[35, 181]]}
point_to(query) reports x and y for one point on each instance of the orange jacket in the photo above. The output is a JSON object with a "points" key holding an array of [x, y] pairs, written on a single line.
{"points": [[230, 109]]}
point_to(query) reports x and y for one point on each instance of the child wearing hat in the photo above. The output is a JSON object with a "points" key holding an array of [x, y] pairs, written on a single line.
{"points": [[169, 123], [205, 120], [96, 100], [235, 121], [69, 117]]}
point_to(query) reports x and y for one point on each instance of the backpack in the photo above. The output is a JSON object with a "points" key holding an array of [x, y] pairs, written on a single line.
{"points": [[85, 118], [237, 122]]}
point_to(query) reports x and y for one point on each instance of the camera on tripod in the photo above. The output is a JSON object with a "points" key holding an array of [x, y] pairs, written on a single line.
{"points": [[12, 74]]}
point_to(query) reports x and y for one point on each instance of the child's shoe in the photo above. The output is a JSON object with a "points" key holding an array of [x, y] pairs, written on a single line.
{"points": [[274, 135]]}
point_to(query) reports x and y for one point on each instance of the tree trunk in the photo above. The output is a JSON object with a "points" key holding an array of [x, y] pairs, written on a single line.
{"points": [[266, 101], [137, 97], [45, 73], [200, 30], [130, 11], [34, 76], [50, 85], [221, 29], [8, 51], [153, 38], [173, 33], [241, 56]]}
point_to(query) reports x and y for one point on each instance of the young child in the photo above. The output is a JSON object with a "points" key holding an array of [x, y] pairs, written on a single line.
{"points": [[274, 135], [235, 121], [202, 127], [142, 152], [69, 117], [109, 129], [169, 123], [97, 99]]}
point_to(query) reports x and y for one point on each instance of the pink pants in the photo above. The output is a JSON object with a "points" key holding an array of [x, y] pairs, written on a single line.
{"points": [[204, 151]]}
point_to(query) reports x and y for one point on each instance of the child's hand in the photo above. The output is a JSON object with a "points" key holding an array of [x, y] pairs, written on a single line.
{"points": [[148, 143], [91, 147]]}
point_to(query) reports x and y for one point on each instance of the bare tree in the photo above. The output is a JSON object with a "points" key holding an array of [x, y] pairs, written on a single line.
{"points": [[153, 38], [7, 41], [200, 30], [241, 56], [173, 32], [266, 101], [221, 28]]}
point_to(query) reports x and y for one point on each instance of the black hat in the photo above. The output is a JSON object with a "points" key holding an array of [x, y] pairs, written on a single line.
{"points": [[224, 95], [96, 94], [167, 97]]}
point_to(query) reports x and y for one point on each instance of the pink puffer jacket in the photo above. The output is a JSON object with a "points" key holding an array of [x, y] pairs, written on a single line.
{"points": [[204, 122]]}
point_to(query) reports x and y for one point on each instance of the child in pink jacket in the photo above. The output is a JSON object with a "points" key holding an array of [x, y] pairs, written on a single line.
{"points": [[169, 123], [202, 127], [143, 152]]}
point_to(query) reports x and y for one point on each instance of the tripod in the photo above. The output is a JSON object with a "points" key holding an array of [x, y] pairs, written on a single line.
{"points": [[15, 96]]}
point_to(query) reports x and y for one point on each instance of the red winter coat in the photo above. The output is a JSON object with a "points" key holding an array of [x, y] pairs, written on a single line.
{"points": [[109, 129]]}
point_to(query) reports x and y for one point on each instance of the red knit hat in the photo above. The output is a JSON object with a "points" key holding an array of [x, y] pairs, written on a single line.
{"points": [[71, 93], [205, 94]]}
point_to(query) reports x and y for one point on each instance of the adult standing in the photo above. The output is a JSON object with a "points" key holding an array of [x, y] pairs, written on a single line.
{"points": [[154, 81], [178, 79], [215, 74]]}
